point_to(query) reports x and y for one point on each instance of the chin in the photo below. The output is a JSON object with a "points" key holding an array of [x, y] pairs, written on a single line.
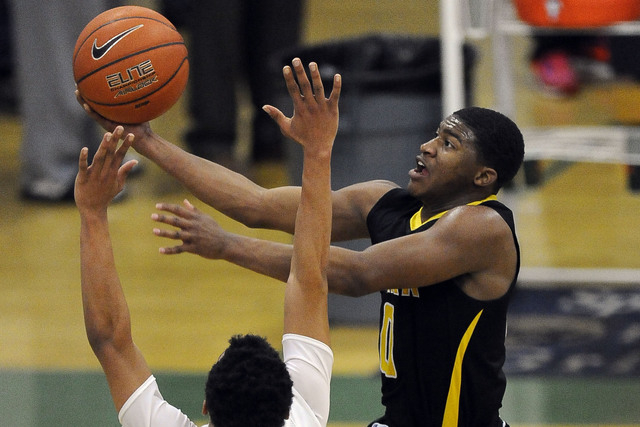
{"points": [[411, 189]]}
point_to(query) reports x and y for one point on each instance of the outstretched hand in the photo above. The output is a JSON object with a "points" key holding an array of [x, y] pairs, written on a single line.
{"points": [[200, 234], [97, 184], [314, 123]]}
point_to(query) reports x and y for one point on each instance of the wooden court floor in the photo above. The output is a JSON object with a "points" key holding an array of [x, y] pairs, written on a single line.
{"points": [[184, 308]]}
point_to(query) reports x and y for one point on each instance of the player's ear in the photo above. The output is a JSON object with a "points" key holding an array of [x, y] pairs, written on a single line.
{"points": [[204, 408], [486, 176]]}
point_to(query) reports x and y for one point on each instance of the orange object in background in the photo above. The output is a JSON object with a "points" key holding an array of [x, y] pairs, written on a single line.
{"points": [[577, 13]]}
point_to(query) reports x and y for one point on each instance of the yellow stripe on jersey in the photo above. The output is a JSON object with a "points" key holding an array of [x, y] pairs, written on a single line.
{"points": [[452, 406], [416, 219]]}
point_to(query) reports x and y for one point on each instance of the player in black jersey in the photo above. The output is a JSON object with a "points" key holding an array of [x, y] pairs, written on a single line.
{"points": [[445, 258]]}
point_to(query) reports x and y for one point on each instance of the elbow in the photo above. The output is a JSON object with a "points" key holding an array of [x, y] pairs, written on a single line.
{"points": [[108, 336], [266, 210], [98, 340], [349, 288], [253, 221], [252, 216], [359, 291], [353, 292], [350, 273]]}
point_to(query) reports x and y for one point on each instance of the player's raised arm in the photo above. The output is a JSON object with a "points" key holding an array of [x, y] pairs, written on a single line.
{"points": [[314, 125], [106, 315]]}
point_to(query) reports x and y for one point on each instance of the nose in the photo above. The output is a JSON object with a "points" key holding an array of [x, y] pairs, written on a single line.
{"points": [[428, 147]]}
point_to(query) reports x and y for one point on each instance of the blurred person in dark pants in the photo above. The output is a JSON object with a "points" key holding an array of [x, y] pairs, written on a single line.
{"points": [[54, 129], [229, 44]]}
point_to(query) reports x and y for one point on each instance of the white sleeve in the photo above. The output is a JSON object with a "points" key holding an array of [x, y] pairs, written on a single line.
{"points": [[309, 363], [147, 408]]}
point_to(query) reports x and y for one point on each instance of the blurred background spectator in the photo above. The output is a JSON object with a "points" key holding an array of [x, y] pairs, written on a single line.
{"points": [[229, 44], [54, 129]]}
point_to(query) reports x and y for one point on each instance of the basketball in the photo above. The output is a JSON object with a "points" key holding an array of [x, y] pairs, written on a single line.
{"points": [[130, 64]]}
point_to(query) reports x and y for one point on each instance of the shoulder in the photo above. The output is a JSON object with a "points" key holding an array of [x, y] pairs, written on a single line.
{"points": [[307, 349], [309, 363], [478, 220], [351, 206], [479, 240], [480, 213], [365, 195], [146, 407], [368, 190]]}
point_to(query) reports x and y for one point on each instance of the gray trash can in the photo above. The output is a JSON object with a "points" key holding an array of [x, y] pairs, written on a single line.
{"points": [[390, 103]]}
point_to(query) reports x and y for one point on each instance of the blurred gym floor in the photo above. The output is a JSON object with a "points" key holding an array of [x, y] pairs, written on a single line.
{"points": [[184, 309]]}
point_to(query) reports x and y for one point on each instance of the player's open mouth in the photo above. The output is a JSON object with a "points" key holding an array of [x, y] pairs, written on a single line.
{"points": [[420, 167]]}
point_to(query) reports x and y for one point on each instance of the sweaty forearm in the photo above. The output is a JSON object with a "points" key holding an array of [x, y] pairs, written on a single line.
{"points": [[268, 258], [225, 190], [105, 309], [345, 275]]}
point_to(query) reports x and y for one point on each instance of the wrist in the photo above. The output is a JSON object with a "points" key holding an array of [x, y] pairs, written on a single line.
{"points": [[93, 214], [143, 139]]}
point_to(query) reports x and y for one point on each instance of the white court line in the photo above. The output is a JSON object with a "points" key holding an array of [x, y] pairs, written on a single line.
{"points": [[599, 144], [536, 277]]}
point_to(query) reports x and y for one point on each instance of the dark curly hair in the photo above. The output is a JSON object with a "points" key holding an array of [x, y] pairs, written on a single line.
{"points": [[249, 385], [499, 141]]}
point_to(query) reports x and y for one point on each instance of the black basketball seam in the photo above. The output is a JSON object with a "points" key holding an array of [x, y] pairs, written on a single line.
{"points": [[145, 96], [86, 76], [170, 26]]}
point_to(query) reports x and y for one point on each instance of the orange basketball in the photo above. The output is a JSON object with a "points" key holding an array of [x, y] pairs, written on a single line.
{"points": [[130, 64]]}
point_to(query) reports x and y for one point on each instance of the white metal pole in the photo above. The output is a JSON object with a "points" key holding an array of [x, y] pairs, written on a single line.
{"points": [[452, 64]]}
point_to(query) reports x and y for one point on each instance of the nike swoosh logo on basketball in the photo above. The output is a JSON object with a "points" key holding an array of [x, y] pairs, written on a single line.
{"points": [[98, 52]]}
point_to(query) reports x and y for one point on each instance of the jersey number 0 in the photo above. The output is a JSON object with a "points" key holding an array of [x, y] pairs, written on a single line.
{"points": [[387, 366]]}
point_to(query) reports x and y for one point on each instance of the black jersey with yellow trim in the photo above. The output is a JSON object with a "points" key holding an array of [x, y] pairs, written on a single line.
{"points": [[441, 351]]}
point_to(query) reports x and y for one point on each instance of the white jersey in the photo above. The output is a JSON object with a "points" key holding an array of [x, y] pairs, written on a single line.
{"points": [[308, 361]]}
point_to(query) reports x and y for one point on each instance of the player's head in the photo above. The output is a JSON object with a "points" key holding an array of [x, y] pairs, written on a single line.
{"points": [[499, 141], [249, 385]]}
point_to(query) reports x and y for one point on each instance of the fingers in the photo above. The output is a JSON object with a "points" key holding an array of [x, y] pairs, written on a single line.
{"points": [[302, 89], [273, 112], [80, 99], [126, 169], [170, 234], [180, 219], [110, 155], [318, 88], [303, 81], [82, 160], [278, 116], [292, 85], [172, 220], [188, 205], [86, 106], [174, 250], [181, 224], [127, 141], [309, 91], [336, 90], [83, 163], [183, 212], [102, 121], [298, 84], [100, 157]]}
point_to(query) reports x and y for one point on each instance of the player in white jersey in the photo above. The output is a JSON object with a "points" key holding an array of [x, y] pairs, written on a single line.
{"points": [[249, 385]]}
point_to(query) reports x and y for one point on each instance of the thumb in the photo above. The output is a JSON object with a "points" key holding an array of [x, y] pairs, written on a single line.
{"points": [[125, 169], [277, 116]]}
